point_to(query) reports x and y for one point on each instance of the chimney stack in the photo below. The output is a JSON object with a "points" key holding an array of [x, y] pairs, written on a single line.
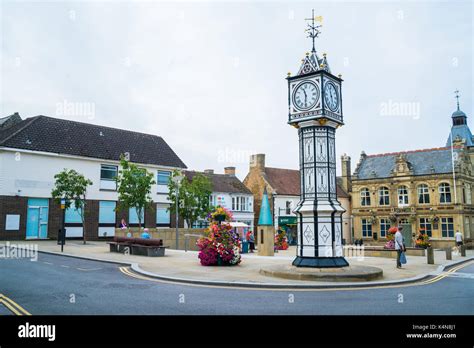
{"points": [[257, 161], [229, 171], [346, 173], [208, 171]]}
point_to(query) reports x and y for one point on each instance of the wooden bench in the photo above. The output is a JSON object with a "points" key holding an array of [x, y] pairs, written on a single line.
{"points": [[138, 246]]}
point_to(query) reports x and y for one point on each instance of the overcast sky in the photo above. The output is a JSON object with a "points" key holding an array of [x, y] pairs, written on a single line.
{"points": [[209, 77]]}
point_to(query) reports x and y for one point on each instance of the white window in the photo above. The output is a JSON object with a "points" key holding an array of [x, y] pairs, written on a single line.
{"points": [[364, 197], [423, 194], [447, 227], [384, 196], [366, 228], [444, 193], [402, 196], [384, 226], [425, 226], [108, 174]]}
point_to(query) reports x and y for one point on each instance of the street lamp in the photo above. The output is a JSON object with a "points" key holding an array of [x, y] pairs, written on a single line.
{"points": [[177, 180]]}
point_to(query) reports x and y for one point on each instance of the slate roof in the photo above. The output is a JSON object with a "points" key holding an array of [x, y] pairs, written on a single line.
{"points": [[48, 134], [287, 182], [463, 132], [222, 182], [423, 162]]}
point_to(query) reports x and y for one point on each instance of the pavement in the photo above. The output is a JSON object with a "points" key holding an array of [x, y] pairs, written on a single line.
{"points": [[183, 266], [58, 285]]}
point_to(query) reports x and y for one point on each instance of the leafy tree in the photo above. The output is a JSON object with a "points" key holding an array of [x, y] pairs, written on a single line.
{"points": [[134, 188], [72, 187], [193, 197]]}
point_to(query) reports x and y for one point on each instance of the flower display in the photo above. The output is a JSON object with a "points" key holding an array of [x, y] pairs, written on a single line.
{"points": [[281, 241], [222, 245], [422, 241]]}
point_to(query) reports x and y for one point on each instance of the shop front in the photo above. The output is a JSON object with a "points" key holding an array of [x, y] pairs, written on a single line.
{"points": [[288, 224]]}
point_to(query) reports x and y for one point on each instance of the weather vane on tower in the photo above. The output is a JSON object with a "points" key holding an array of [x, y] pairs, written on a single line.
{"points": [[456, 92], [313, 29]]}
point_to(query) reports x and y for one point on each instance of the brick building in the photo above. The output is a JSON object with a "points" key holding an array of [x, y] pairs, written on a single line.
{"points": [[283, 187], [33, 150]]}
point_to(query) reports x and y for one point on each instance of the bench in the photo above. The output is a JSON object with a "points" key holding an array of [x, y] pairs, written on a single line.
{"points": [[138, 246]]}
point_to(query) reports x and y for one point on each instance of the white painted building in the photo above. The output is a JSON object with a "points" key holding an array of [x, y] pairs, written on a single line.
{"points": [[33, 150], [230, 193]]}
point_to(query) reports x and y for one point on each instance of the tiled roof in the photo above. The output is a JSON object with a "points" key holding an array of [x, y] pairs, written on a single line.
{"points": [[287, 182], [222, 182], [422, 162], [47, 134]]}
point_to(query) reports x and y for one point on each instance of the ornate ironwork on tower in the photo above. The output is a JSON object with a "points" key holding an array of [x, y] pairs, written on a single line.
{"points": [[315, 109]]}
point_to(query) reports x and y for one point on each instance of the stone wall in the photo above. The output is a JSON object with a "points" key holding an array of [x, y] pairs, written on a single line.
{"points": [[169, 236]]}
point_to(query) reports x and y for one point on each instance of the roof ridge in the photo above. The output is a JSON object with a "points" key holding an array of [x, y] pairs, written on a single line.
{"points": [[97, 125], [295, 170], [413, 151], [27, 124]]}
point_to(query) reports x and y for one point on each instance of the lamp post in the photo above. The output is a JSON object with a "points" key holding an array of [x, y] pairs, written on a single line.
{"points": [[177, 180]]}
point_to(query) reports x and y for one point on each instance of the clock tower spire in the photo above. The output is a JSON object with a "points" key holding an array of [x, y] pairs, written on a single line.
{"points": [[315, 109]]}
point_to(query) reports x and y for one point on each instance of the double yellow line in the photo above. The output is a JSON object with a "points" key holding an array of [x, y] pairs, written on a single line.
{"points": [[126, 271], [447, 273], [11, 305]]}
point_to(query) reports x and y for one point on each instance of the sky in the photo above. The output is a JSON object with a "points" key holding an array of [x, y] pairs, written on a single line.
{"points": [[209, 77]]}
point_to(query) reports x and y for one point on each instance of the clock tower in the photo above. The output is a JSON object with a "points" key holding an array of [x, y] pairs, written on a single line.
{"points": [[315, 109]]}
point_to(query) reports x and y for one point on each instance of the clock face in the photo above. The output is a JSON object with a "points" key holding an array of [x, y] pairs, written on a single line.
{"points": [[331, 96], [306, 95]]}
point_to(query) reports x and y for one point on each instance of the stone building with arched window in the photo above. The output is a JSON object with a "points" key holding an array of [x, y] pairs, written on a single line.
{"points": [[427, 190]]}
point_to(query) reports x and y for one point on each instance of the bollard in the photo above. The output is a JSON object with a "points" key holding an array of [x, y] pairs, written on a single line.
{"points": [[463, 250], [449, 254], [430, 255]]}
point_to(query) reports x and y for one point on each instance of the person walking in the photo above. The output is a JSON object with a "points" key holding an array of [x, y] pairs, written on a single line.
{"points": [[251, 240], [399, 246], [458, 238]]}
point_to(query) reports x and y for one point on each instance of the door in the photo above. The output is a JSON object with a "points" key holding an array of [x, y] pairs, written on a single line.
{"points": [[37, 219], [32, 223], [406, 232]]}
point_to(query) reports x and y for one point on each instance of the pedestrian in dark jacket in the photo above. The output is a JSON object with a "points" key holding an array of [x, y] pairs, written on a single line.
{"points": [[251, 240]]}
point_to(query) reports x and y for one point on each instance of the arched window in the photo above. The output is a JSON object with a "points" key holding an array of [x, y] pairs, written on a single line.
{"points": [[364, 197], [384, 196], [402, 196], [423, 194], [444, 192]]}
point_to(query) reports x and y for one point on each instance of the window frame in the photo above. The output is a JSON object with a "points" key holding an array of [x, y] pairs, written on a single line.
{"points": [[447, 224], [403, 195], [110, 166], [444, 190], [385, 222], [384, 193], [423, 224], [423, 195], [168, 175], [368, 228], [364, 197]]}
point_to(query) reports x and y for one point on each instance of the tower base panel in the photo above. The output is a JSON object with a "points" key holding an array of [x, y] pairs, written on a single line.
{"points": [[320, 262]]}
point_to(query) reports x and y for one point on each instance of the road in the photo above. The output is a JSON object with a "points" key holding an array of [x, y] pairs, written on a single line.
{"points": [[63, 285]]}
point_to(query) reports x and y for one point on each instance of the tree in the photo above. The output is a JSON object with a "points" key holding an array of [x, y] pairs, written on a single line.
{"points": [[72, 187], [134, 188], [194, 196]]}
